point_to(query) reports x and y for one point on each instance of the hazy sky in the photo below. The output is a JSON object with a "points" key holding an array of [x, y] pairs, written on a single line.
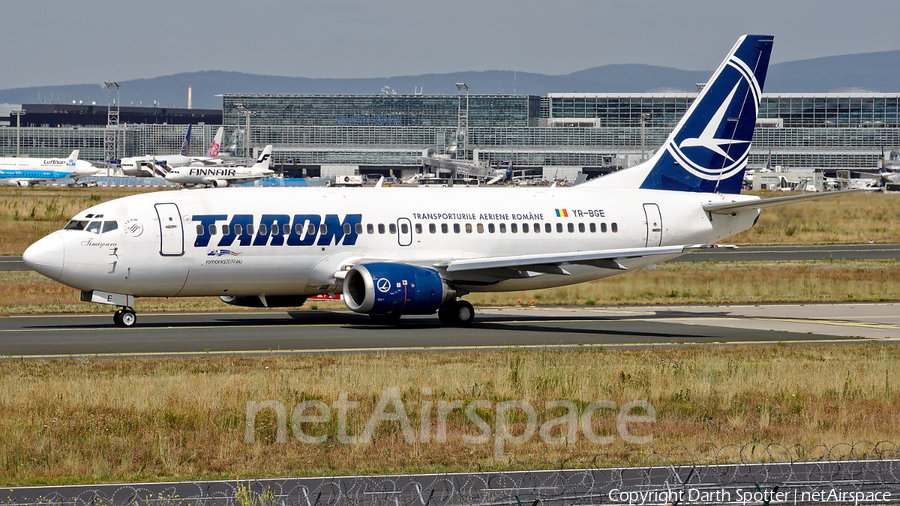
{"points": [[50, 42]]}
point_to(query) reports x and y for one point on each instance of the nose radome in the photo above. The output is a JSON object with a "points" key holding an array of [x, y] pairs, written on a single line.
{"points": [[46, 256]]}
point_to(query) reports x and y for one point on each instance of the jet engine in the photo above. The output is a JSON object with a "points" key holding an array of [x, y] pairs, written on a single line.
{"points": [[265, 301], [387, 288], [220, 183]]}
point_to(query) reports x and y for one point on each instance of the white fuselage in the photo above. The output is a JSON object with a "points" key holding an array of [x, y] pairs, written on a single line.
{"points": [[141, 165], [221, 176], [174, 243]]}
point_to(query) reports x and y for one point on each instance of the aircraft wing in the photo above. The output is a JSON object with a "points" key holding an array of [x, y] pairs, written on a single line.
{"points": [[207, 161], [552, 263]]}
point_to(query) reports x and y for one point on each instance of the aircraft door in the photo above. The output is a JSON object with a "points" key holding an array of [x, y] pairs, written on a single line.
{"points": [[171, 231], [654, 225], [404, 232]]}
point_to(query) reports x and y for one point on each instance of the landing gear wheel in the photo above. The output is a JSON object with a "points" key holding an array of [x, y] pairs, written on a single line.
{"points": [[385, 319], [125, 317], [458, 313], [463, 313]]}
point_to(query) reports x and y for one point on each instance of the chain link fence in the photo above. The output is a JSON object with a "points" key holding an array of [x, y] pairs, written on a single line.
{"points": [[752, 474]]}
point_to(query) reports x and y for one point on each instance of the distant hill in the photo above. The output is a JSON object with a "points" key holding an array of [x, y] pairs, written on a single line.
{"points": [[872, 71]]}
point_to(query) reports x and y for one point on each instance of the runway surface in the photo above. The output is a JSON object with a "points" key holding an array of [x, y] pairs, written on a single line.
{"points": [[742, 254], [308, 331]]}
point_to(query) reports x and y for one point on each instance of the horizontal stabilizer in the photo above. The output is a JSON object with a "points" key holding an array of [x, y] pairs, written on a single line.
{"points": [[733, 207]]}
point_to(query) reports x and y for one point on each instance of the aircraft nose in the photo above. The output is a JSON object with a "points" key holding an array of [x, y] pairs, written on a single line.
{"points": [[46, 256]]}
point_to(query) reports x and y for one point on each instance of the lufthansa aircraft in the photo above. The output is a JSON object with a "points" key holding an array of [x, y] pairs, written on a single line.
{"points": [[396, 251], [29, 171], [223, 176]]}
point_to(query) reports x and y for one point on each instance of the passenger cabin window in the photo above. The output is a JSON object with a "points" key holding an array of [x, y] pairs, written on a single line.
{"points": [[348, 228], [444, 228], [468, 228], [559, 228], [603, 228], [285, 229], [593, 227], [548, 228], [513, 228], [456, 228], [359, 228], [404, 228], [263, 229], [370, 228], [418, 228], [614, 227], [250, 229], [525, 228], [480, 228], [432, 228], [238, 229], [503, 228], [392, 228], [571, 227], [491, 228], [311, 229], [537, 228], [581, 227], [200, 229], [381, 228], [226, 230]]}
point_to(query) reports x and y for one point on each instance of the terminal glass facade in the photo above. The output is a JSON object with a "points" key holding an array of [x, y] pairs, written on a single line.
{"points": [[803, 131]]}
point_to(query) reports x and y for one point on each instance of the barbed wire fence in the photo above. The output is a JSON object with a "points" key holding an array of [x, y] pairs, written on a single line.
{"points": [[750, 474]]}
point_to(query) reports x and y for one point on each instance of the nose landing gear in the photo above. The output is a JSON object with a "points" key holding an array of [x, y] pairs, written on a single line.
{"points": [[125, 317]]}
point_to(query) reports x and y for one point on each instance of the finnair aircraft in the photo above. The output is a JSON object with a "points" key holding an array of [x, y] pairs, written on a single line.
{"points": [[223, 176], [396, 251], [153, 165], [30, 171]]}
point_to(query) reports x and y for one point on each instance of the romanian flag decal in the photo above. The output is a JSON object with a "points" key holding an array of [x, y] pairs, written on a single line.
{"points": [[562, 213]]}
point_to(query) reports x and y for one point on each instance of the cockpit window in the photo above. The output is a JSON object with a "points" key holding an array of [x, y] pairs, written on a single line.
{"points": [[109, 226], [94, 227], [75, 225]]}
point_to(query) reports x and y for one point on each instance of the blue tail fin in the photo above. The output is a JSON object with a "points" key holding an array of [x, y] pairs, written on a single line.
{"points": [[708, 149], [186, 145]]}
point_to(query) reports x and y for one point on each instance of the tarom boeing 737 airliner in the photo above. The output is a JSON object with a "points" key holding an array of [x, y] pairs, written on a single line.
{"points": [[396, 251]]}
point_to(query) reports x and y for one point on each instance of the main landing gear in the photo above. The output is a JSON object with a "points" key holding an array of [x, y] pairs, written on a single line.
{"points": [[456, 313], [125, 317]]}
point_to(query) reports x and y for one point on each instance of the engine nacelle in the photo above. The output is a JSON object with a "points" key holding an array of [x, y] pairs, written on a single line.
{"points": [[264, 301], [24, 184], [382, 288], [220, 183]]}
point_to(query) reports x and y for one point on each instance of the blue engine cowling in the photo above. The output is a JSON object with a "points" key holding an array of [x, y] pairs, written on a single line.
{"points": [[382, 288]]}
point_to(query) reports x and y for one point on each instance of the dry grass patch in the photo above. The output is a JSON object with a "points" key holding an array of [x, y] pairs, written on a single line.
{"points": [[85, 420], [26, 215]]}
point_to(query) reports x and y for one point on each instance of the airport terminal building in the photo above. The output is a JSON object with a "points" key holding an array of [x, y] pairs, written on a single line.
{"points": [[556, 134]]}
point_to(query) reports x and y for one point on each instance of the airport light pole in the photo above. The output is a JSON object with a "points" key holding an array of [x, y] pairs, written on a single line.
{"points": [[247, 113], [645, 116], [462, 121], [18, 113]]}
